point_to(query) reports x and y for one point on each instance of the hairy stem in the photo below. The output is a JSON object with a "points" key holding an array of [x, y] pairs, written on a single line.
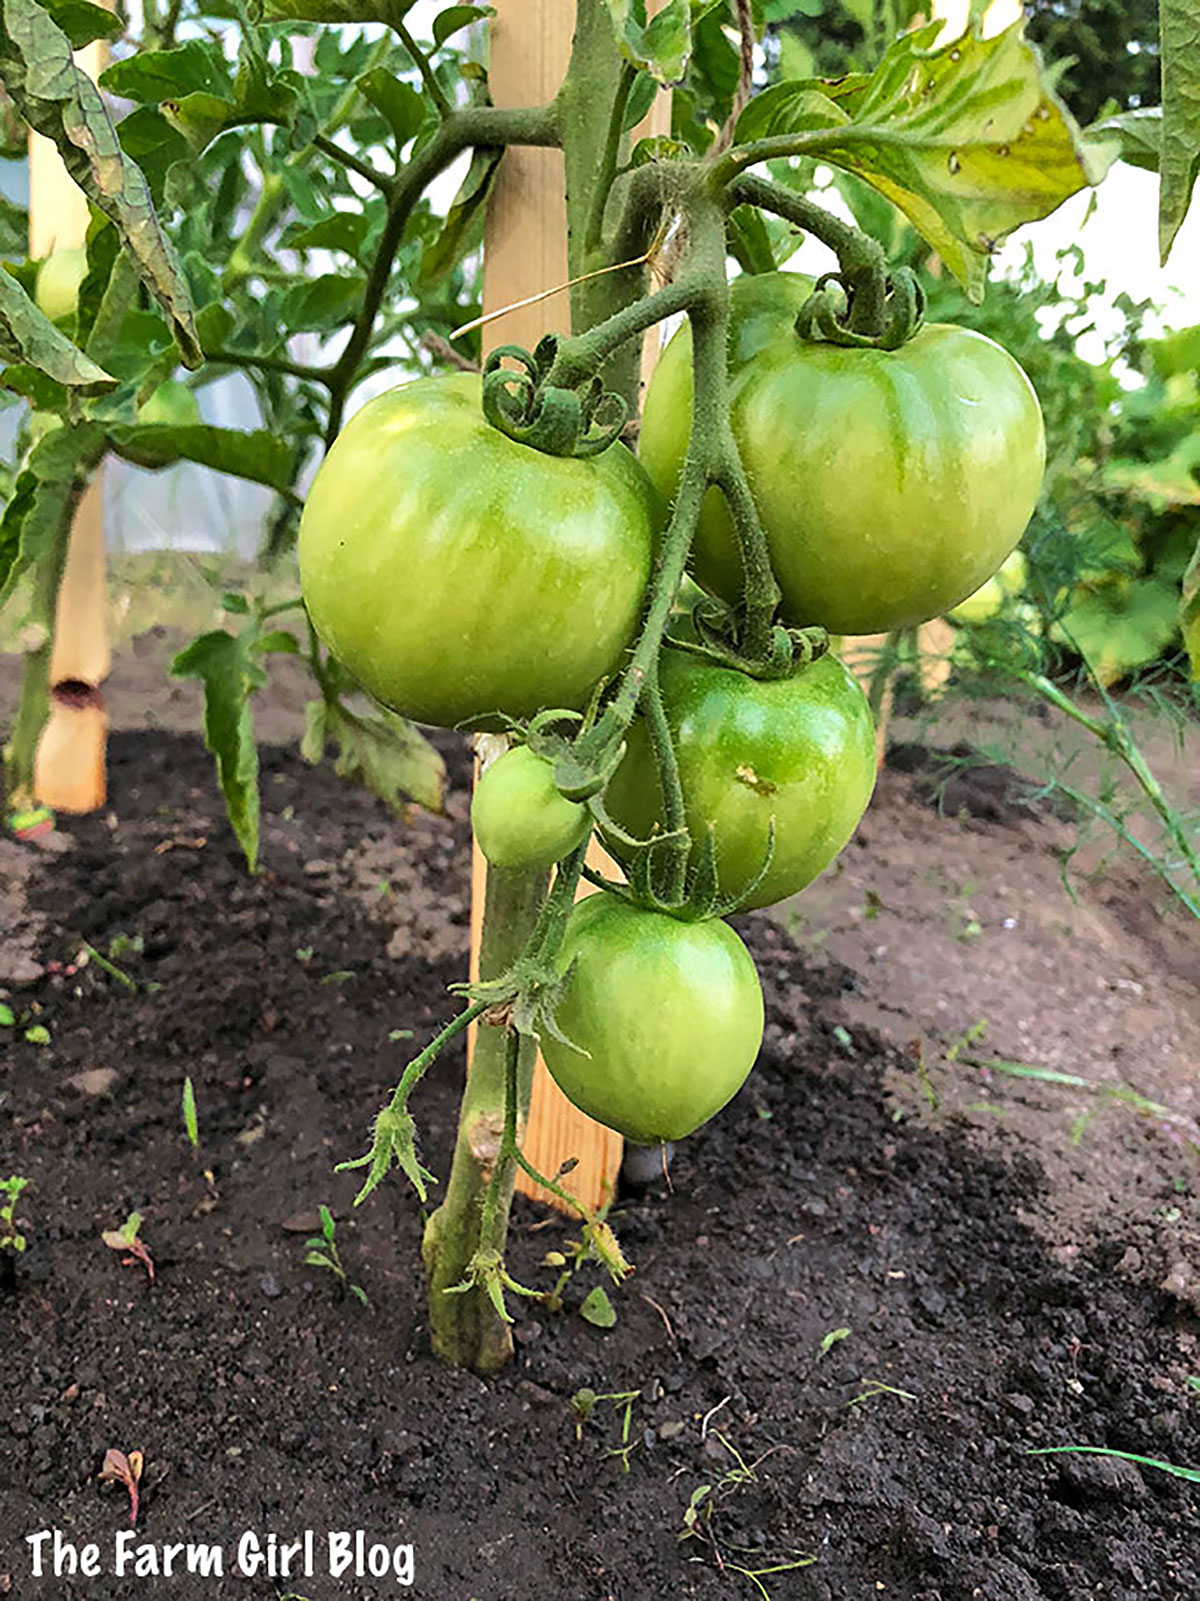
{"points": [[465, 1328]]}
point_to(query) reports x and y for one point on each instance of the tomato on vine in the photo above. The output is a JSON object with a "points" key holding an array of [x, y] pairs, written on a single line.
{"points": [[518, 817], [667, 1018], [793, 757], [461, 575], [890, 483]]}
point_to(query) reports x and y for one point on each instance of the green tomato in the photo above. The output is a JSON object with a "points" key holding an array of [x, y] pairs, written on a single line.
{"points": [[670, 1014], [59, 277], [172, 405], [460, 575], [798, 752], [518, 816], [890, 483]]}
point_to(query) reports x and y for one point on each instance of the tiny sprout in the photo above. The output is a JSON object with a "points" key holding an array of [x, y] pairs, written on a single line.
{"points": [[127, 1470], [322, 1251], [126, 1239], [190, 1122], [11, 1238]]}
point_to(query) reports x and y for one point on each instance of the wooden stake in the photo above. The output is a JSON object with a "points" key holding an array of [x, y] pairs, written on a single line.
{"points": [[525, 250], [69, 767]]}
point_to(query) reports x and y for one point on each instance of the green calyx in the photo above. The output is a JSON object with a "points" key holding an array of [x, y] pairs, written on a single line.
{"points": [[559, 422], [836, 312], [715, 630]]}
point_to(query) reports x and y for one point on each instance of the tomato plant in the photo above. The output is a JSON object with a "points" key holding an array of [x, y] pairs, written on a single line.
{"points": [[890, 483], [783, 766], [518, 816], [481, 546], [664, 1018], [458, 573]]}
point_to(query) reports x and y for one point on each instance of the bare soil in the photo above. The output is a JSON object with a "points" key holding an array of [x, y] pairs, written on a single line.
{"points": [[877, 1282]]}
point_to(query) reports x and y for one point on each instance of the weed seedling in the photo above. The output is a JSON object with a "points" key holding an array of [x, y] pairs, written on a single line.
{"points": [[584, 1403], [322, 1251], [12, 1241], [126, 1239], [127, 1470], [700, 1513]]}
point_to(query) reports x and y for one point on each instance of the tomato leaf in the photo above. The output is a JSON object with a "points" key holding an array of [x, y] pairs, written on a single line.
{"points": [[59, 100], [258, 456], [446, 249], [659, 45], [1122, 625], [82, 22], [967, 139], [39, 510], [1179, 40], [1189, 611], [27, 335], [397, 101], [1137, 136], [382, 751], [230, 670], [455, 17], [155, 75]]}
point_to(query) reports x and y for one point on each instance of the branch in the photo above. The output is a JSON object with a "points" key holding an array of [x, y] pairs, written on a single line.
{"points": [[264, 363], [352, 163], [428, 77], [473, 126]]}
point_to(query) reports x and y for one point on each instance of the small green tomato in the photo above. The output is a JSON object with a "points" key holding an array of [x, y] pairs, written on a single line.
{"points": [[518, 815]]}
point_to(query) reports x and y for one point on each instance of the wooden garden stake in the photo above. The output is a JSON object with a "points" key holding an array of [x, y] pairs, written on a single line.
{"points": [[525, 250], [69, 767]]}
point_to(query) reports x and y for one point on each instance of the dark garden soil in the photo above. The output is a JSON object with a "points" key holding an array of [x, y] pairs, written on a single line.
{"points": [[871, 1292]]}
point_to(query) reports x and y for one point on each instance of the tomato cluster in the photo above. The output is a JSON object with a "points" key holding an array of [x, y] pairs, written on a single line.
{"points": [[466, 578]]}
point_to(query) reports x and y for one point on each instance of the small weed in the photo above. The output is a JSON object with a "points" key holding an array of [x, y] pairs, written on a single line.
{"points": [[38, 1034], [125, 945], [584, 1403], [1191, 1475], [873, 1387], [89, 953], [127, 1470], [126, 1239], [700, 1515], [322, 1251], [190, 1122], [12, 1241], [834, 1337]]}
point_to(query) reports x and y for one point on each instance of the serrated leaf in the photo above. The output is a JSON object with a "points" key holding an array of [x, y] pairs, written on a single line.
{"points": [[446, 249], [387, 755], [28, 335], [397, 101], [597, 1309], [59, 100], [1179, 47], [455, 17], [259, 456], [82, 22], [659, 44], [230, 671], [1189, 611], [968, 140], [154, 75]]}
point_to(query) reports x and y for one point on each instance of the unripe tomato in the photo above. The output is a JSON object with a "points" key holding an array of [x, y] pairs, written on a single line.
{"points": [[799, 752], [459, 574], [518, 816], [172, 405], [59, 277], [670, 1013], [890, 483]]}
